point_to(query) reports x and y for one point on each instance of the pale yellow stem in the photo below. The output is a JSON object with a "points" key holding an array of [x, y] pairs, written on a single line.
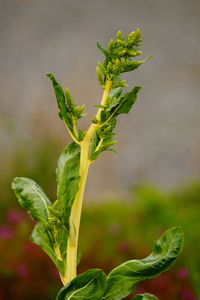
{"points": [[72, 247]]}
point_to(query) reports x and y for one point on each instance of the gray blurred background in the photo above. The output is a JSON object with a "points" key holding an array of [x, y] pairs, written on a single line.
{"points": [[159, 141]]}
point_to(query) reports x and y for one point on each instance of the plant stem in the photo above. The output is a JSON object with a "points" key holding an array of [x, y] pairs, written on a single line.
{"points": [[72, 246]]}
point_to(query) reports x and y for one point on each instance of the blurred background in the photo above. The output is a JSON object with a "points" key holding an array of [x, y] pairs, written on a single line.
{"points": [[133, 196]]}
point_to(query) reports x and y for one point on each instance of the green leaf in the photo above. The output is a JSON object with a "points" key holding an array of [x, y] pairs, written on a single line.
{"points": [[41, 237], [60, 96], [61, 238], [90, 285], [145, 297], [68, 178], [126, 102], [122, 280], [102, 140], [67, 174], [76, 112], [100, 75], [102, 49], [115, 93], [31, 196], [58, 230], [81, 135], [69, 111]]}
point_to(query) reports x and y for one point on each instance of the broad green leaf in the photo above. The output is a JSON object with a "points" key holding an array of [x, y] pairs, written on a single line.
{"points": [[121, 280], [145, 297], [90, 285], [68, 178], [42, 237], [31, 196]]}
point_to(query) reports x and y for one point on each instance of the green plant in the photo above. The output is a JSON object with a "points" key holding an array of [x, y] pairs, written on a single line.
{"points": [[57, 228]]}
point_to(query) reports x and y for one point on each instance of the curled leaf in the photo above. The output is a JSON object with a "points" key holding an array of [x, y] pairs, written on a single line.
{"points": [[122, 280]]}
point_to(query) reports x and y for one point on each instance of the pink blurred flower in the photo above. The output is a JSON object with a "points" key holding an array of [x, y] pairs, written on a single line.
{"points": [[5, 232], [55, 273], [114, 229], [182, 273], [29, 247], [186, 294], [22, 271], [139, 290], [123, 246], [14, 216]]}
